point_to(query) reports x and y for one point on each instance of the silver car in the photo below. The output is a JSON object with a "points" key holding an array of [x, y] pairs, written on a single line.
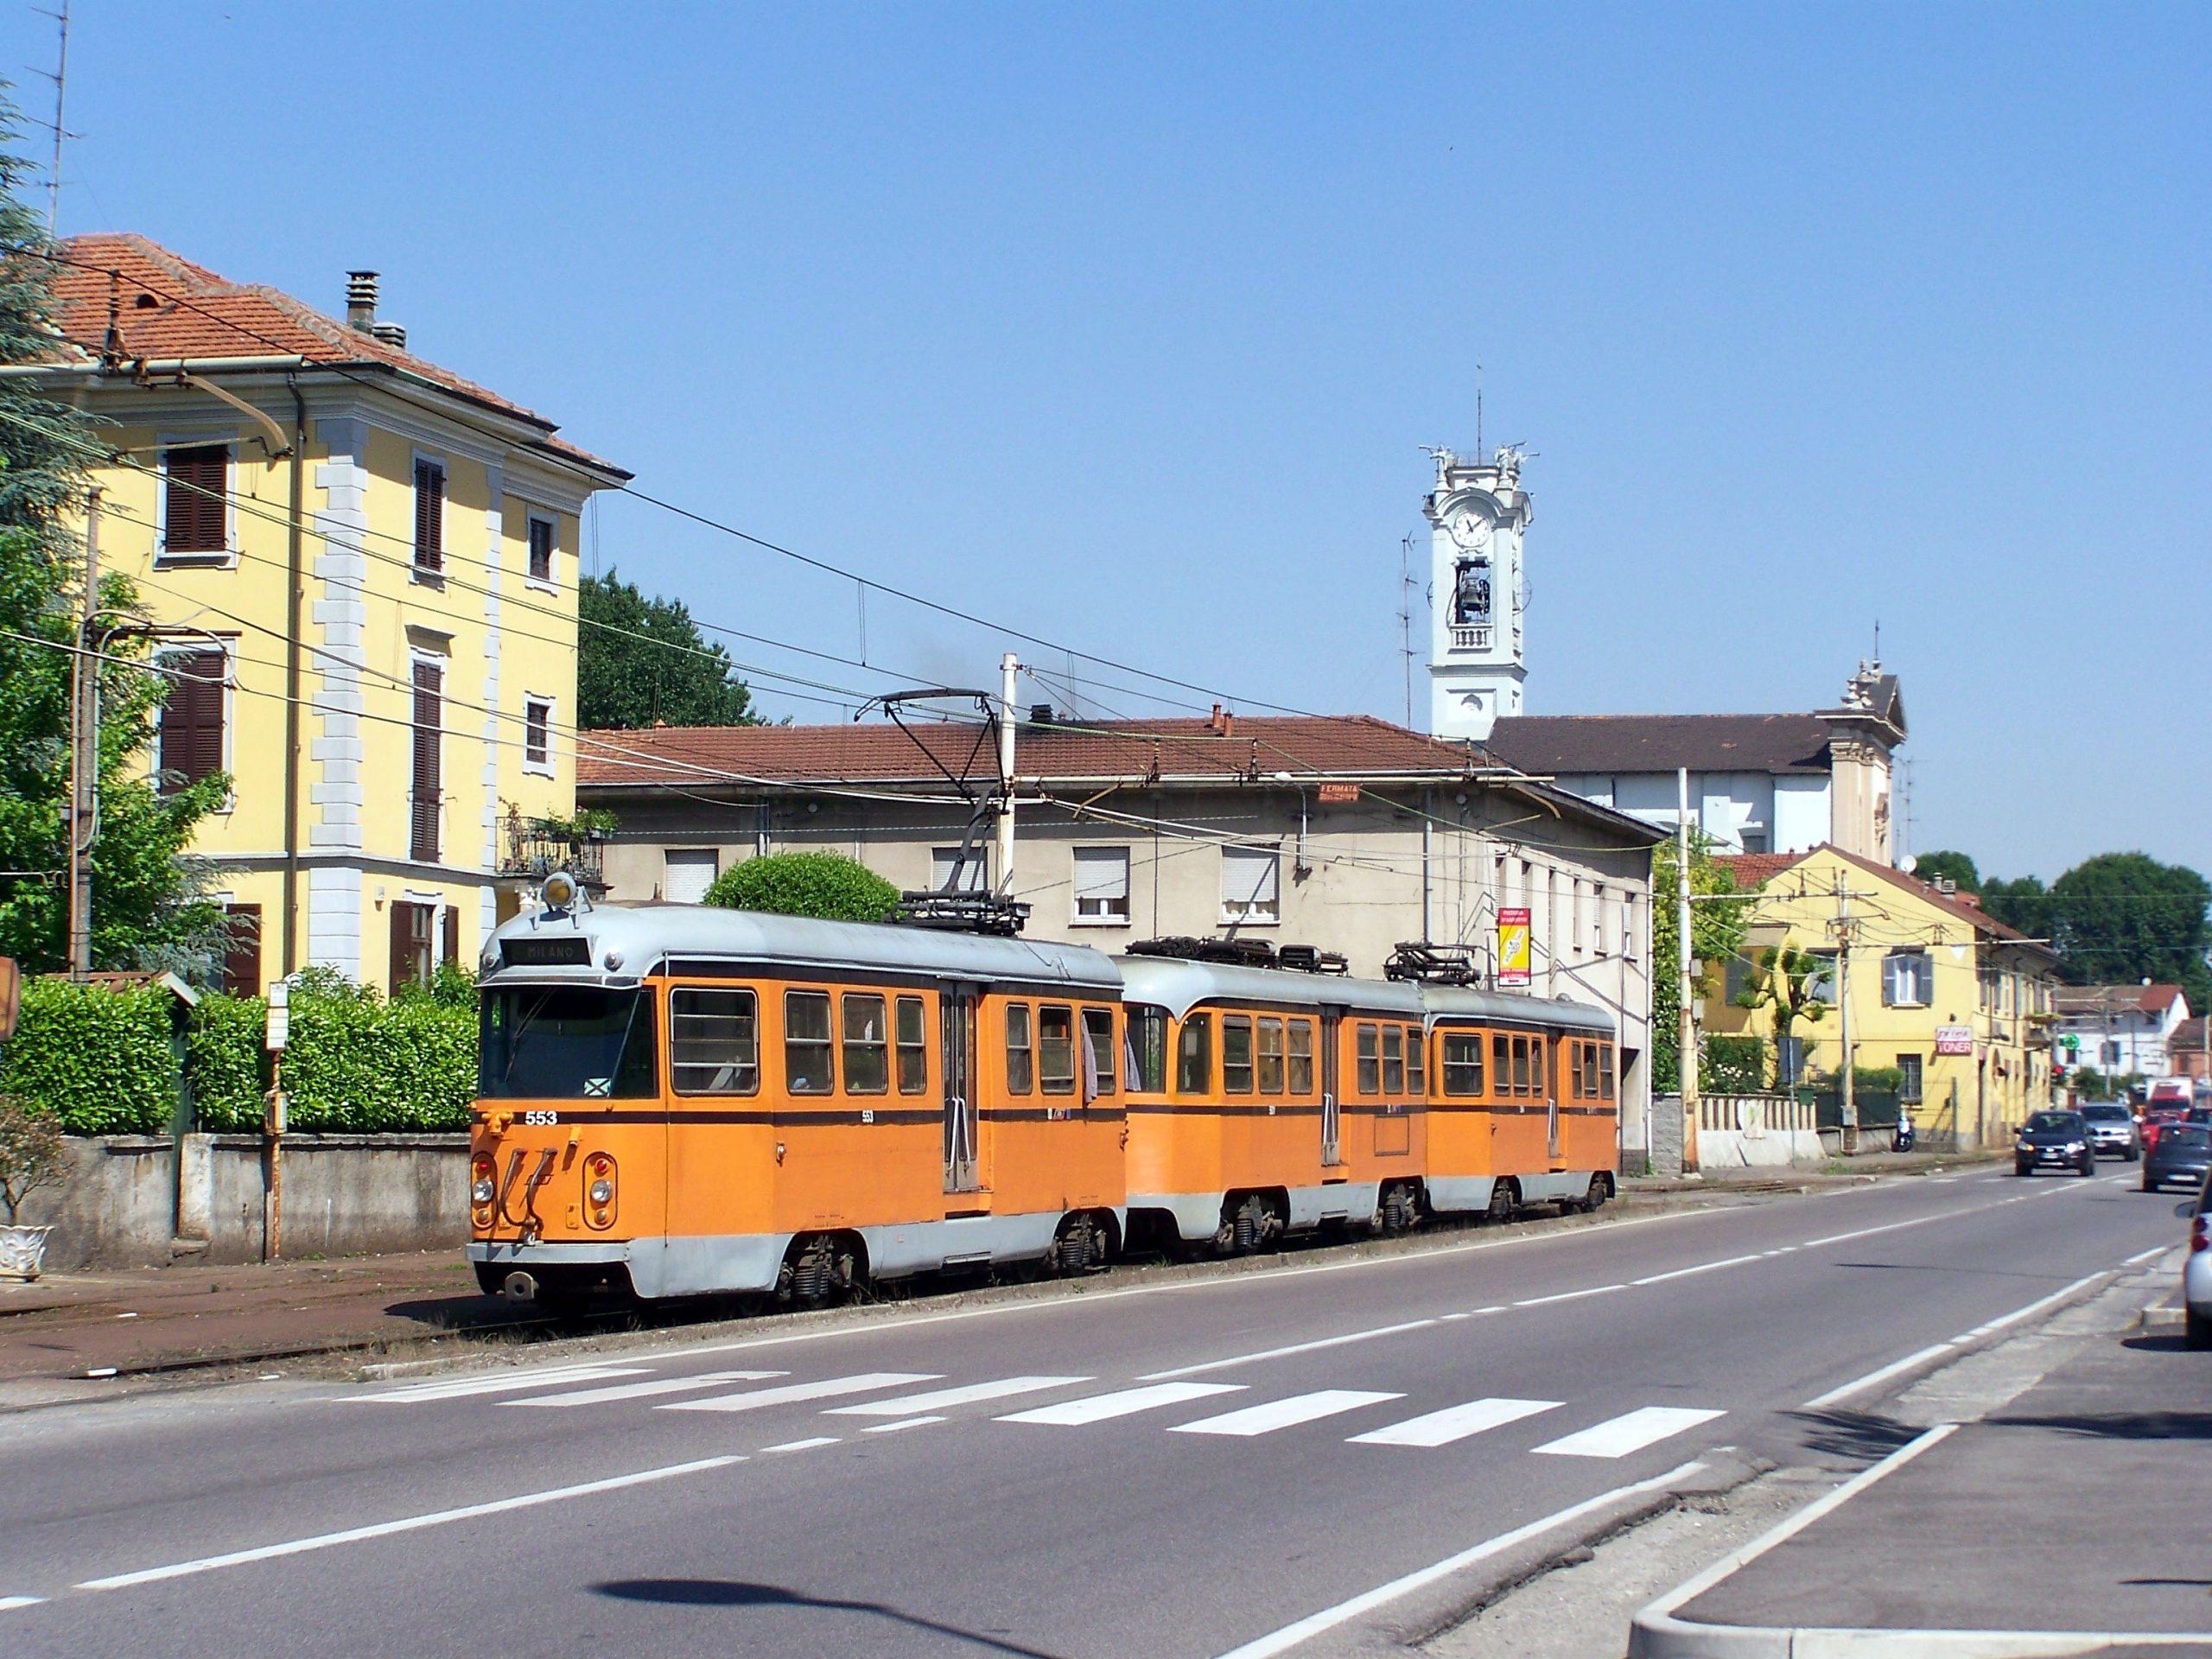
{"points": [[2196, 1271], [2112, 1130]]}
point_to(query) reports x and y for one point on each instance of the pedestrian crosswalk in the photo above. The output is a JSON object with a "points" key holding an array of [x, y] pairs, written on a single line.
{"points": [[895, 1400]]}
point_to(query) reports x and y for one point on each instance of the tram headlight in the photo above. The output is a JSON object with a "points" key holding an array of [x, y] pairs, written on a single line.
{"points": [[481, 1193], [598, 1190], [602, 1192], [559, 891]]}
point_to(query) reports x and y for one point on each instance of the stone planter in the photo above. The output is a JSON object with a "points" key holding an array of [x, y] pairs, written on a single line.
{"points": [[23, 1250]]}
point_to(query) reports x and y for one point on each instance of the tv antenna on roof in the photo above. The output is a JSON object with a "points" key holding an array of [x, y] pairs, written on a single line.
{"points": [[60, 78]]}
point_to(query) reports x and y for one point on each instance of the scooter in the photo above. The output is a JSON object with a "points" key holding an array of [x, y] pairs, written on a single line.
{"points": [[1904, 1138]]}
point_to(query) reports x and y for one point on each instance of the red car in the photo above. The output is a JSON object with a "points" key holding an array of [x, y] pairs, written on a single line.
{"points": [[2156, 1119]]}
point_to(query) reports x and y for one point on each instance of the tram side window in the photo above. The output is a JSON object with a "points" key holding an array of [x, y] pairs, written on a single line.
{"points": [[1605, 1071], [1394, 1060], [1194, 1055], [1536, 1047], [1055, 1049], [1586, 1084], [1301, 1057], [714, 1044], [1501, 1064], [1463, 1064], [1021, 1061], [1271, 1056], [1098, 1049], [914, 1048], [1416, 1062], [867, 1045], [1521, 1067], [1369, 1071], [808, 1067], [1236, 1054], [1146, 1032]]}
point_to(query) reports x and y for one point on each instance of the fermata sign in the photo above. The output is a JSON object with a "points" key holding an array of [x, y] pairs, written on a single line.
{"points": [[1513, 947]]}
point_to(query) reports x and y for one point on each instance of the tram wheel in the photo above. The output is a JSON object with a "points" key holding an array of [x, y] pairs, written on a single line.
{"points": [[1505, 1199], [817, 1267]]}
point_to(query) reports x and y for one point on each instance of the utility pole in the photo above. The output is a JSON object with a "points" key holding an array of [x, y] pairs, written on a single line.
{"points": [[1843, 1010], [84, 753], [1685, 1018], [1009, 669]]}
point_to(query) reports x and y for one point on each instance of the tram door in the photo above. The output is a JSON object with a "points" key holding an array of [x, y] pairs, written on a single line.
{"points": [[1540, 1050], [957, 1034], [1332, 1094]]}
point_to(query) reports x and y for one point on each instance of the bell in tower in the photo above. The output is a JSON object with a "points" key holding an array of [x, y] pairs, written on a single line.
{"points": [[1477, 514]]}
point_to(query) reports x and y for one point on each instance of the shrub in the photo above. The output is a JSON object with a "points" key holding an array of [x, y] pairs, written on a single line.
{"points": [[223, 1063], [31, 1153], [828, 886], [1734, 1065], [357, 1064], [96, 1060]]}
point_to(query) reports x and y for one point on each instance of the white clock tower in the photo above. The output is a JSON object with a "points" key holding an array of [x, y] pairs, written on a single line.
{"points": [[1477, 513]]}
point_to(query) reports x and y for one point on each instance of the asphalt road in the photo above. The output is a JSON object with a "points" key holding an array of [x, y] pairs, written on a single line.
{"points": [[1184, 1468]]}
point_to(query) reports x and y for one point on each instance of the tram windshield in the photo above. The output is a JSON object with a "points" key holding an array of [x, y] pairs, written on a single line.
{"points": [[558, 1042]]}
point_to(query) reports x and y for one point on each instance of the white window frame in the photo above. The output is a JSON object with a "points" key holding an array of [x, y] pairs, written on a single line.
{"points": [[181, 644], [1924, 979], [1251, 912], [548, 584], [1080, 917], [227, 557], [549, 764], [417, 571]]}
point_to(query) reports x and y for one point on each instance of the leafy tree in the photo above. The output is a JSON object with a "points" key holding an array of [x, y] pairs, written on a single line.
{"points": [[2121, 917], [1788, 984], [1716, 936], [2023, 903], [671, 675], [149, 908], [828, 886], [1949, 866]]}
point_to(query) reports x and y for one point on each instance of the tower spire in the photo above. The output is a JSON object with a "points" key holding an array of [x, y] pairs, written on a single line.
{"points": [[1477, 512]]}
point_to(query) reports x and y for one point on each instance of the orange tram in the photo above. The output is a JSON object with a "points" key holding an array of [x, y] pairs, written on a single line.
{"points": [[678, 1101]]}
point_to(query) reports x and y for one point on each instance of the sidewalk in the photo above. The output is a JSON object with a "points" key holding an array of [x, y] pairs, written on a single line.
{"points": [[70, 1324], [2065, 1522]]}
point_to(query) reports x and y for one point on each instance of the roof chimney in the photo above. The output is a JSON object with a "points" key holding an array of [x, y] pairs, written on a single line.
{"points": [[391, 333], [361, 300], [1040, 713]]}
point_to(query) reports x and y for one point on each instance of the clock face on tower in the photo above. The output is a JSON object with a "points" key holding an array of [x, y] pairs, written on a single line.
{"points": [[1468, 528]]}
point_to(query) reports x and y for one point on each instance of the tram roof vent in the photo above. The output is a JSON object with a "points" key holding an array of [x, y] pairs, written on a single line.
{"points": [[1312, 959]]}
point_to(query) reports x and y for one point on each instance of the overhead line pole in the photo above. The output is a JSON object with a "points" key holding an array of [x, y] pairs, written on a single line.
{"points": [[1685, 1016], [1009, 671], [84, 752]]}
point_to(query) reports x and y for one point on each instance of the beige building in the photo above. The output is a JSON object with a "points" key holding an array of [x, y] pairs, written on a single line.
{"points": [[1347, 833]]}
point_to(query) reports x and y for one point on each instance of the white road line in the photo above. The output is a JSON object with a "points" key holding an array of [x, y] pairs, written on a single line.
{"points": [[1122, 1403], [1328, 1618], [1702, 1267], [806, 1445], [1285, 1414], [2138, 1259], [892, 1428], [1630, 1432], [1437, 1428], [411, 1523], [829, 1389], [2036, 1307], [422, 1393], [643, 1391], [1448, 1317], [1568, 1296], [941, 1399], [9, 1603], [1860, 1384], [1279, 1353], [1495, 1307], [1897, 1226]]}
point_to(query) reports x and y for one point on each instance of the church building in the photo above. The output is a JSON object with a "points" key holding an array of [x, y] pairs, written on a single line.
{"points": [[1760, 783]]}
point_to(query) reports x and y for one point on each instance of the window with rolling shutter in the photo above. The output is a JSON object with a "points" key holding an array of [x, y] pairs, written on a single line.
{"points": [[195, 516], [426, 788], [430, 515], [189, 740]]}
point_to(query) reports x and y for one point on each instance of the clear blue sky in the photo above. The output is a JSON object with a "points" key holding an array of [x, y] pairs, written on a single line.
{"points": [[1125, 323]]}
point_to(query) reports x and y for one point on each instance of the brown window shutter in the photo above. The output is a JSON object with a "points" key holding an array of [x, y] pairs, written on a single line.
{"points": [[193, 512], [402, 947], [190, 734], [449, 942], [242, 954], [541, 549], [428, 785], [430, 515]]}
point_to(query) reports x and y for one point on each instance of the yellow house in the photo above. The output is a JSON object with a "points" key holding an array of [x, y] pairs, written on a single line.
{"points": [[1948, 996], [361, 573]]}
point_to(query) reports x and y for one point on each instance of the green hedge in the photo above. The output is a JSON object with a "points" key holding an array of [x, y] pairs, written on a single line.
{"points": [[98, 1061]]}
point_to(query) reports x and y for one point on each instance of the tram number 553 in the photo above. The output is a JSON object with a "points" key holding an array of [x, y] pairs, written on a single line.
{"points": [[541, 1120]]}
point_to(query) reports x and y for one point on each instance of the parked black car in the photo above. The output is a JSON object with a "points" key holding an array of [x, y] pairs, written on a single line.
{"points": [[2055, 1140], [2179, 1158]]}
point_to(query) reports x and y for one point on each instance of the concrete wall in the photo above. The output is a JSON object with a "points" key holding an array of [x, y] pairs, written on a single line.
{"points": [[124, 1204], [1756, 1131]]}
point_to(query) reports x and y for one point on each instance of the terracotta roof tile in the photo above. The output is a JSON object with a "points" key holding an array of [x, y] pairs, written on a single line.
{"points": [[228, 318], [2097, 998], [1755, 869]]}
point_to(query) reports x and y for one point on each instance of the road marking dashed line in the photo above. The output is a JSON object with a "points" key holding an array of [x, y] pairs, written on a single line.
{"points": [[1630, 1432], [1436, 1428], [645, 1390], [1250, 1420], [828, 1387], [940, 1399], [1123, 1402]]}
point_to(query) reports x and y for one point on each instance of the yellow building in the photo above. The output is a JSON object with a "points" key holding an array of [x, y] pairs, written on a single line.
{"points": [[1953, 999], [361, 571]]}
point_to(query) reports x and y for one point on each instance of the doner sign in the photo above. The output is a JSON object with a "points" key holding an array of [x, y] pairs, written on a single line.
{"points": [[1512, 947], [1955, 1039]]}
